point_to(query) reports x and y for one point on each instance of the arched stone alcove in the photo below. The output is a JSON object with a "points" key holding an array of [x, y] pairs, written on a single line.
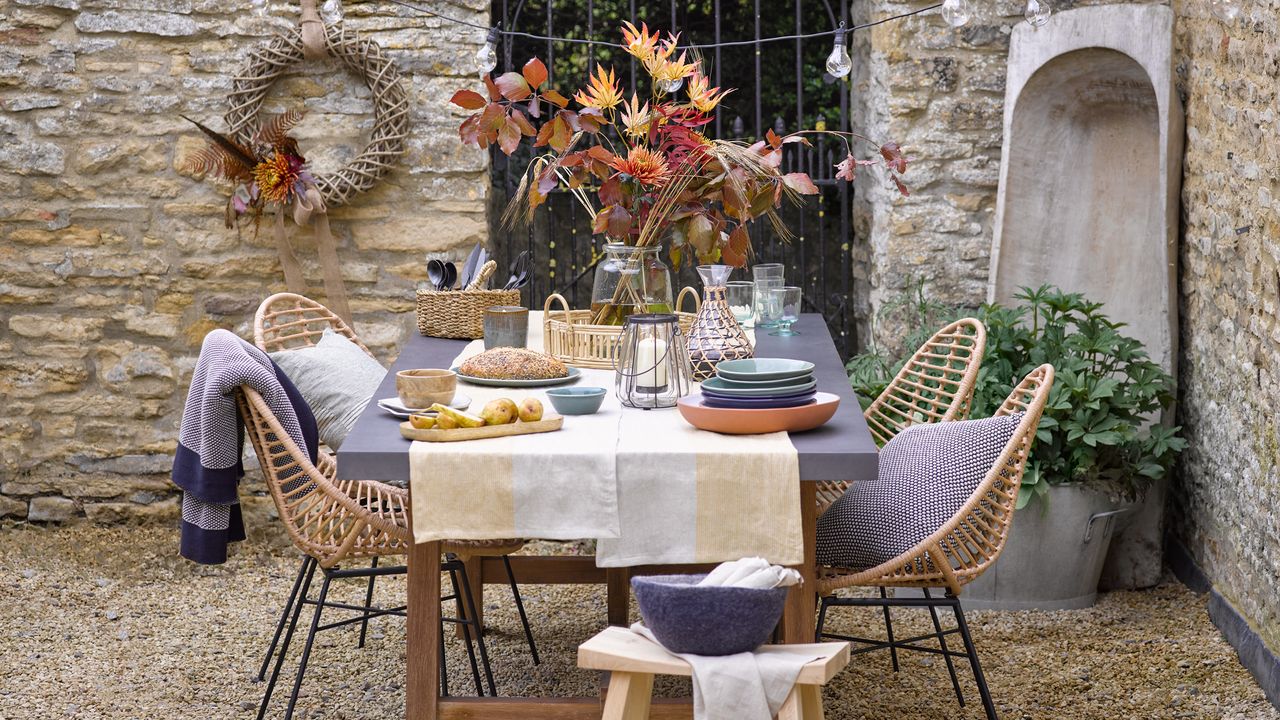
{"points": [[1090, 169]]}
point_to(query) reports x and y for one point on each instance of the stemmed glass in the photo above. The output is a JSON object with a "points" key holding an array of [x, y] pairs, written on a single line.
{"points": [[784, 303], [740, 294]]}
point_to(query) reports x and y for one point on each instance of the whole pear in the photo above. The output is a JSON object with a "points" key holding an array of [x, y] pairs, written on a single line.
{"points": [[530, 410]]}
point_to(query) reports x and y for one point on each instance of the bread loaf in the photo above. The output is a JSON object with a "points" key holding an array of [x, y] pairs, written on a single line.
{"points": [[506, 363]]}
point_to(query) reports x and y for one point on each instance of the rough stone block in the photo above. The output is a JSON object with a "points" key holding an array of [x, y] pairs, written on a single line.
{"points": [[152, 23], [12, 507], [130, 512], [58, 327], [50, 508], [28, 157]]}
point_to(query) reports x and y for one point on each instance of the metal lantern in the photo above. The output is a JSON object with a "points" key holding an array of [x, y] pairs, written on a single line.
{"points": [[652, 362]]}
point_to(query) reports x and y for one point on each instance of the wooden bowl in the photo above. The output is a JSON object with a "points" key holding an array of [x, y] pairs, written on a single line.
{"points": [[732, 421], [419, 389]]}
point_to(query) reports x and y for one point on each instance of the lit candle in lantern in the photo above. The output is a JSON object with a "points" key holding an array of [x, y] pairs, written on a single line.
{"points": [[651, 365]]}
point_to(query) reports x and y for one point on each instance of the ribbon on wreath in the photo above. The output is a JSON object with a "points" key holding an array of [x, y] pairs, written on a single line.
{"points": [[309, 208], [308, 203]]}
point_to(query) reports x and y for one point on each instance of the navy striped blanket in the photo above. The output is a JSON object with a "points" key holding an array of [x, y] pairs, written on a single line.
{"points": [[207, 465]]}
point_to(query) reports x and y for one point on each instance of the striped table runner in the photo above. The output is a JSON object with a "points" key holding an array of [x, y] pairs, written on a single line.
{"points": [[649, 486]]}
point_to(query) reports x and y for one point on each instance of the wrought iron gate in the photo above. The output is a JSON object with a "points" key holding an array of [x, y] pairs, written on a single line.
{"points": [[781, 85]]}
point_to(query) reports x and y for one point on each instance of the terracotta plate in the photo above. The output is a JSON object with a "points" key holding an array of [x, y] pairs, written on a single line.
{"points": [[754, 422]]}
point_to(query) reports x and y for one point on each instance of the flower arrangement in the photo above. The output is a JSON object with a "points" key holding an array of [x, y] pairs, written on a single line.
{"points": [[644, 168], [269, 171]]}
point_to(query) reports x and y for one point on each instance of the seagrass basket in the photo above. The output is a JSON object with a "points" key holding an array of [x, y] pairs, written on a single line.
{"points": [[459, 313], [568, 335]]}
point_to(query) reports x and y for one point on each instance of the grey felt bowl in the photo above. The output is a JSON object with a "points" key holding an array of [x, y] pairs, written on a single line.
{"points": [[707, 620]]}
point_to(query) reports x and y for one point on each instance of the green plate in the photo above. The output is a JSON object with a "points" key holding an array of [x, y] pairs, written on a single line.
{"points": [[718, 385], [574, 374], [749, 384], [763, 369]]}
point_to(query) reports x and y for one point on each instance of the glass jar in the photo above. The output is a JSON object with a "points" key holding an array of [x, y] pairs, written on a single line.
{"points": [[716, 334], [630, 280], [652, 362]]}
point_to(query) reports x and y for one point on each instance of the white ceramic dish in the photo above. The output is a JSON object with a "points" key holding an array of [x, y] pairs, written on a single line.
{"points": [[393, 406]]}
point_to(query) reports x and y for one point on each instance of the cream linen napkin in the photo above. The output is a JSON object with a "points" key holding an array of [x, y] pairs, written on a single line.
{"points": [[745, 686]]}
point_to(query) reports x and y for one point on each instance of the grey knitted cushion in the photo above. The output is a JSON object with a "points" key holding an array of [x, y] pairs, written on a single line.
{"points": [[927, 473], [336, 378]]}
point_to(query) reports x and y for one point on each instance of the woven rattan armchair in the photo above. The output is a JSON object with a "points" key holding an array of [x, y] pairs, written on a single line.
{"points": [[959, 551], [935, 385], [335, 521], [288, 321]]}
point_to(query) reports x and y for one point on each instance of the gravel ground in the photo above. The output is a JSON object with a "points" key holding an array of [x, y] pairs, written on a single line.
{"points": [[110, 623]]}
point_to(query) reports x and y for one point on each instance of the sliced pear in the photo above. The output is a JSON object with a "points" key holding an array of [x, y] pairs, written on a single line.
{"points": [[422, 422], [462, 419]]}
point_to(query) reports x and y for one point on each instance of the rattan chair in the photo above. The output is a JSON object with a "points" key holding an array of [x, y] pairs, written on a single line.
{"points": [[935, 385], [334, 521], [958, 552], [287, 321]]}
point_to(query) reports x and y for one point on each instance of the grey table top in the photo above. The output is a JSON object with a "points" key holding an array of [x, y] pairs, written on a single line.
{"points": [[840, 450]]}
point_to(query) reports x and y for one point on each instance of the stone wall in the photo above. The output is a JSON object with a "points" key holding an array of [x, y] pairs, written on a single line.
{"points": [[114, 265], [940, 93]]}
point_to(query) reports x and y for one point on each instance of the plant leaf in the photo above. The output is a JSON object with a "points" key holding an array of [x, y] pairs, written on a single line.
{"points": [[535, 73], [513, 87], [801, 183], [509, 136], [555, 98], [893, 157], [468, 100]]}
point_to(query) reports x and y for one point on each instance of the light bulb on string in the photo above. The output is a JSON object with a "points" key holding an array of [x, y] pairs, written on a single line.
{"points": [[1225, 10], [671, 86], [1037, 12], [839, 64], [487, 55], [331, 12], [956, 12]]}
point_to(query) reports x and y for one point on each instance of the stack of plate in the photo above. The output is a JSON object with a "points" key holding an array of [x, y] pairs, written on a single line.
{"points": [[760, 384]]}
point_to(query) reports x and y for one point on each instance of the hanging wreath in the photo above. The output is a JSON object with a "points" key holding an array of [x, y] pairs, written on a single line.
{"points": [[365, 58]]}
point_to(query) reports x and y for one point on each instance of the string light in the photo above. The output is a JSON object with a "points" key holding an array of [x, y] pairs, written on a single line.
{"points": [[956, 12], [487, 55], [1225, 10], [1037, 12], [839, 64], [701, 46], [331, 12]]}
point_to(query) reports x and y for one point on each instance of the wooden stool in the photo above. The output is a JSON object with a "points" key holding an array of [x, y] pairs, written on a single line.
{"points": [[634, 660]]}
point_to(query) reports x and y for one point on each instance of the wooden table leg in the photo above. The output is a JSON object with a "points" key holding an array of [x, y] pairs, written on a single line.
{"points": [[618, 592], [422, 684], [802, 600], [475, 576]]}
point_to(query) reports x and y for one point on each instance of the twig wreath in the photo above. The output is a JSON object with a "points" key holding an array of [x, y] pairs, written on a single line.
{"points": [[365, 58]]}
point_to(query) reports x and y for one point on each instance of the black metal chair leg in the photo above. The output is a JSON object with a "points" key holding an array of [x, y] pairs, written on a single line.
{"points": [[942, 642], [284, 616], [444, 663], [471, 618], [972, 651], [524, 619], [888, 628], [368, 602], [306, 649], [464, 621], [288, 638], [823, 604]]}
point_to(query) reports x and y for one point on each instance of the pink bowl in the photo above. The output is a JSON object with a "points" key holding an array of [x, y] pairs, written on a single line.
{"points": [[733, 421]]}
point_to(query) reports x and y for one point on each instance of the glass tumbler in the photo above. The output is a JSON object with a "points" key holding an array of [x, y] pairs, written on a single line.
{"points": [[786, 302], [762, 290], [740, 294]]}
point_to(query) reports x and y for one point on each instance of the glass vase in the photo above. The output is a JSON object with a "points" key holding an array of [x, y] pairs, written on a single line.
{"points": [[716, 334], [629, 280]]}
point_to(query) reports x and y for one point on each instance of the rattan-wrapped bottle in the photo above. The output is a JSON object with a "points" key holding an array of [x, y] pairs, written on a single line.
{"points": [[716, 334]]}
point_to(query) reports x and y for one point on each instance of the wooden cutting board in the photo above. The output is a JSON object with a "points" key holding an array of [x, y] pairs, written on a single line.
{"points": [[548, 424]]}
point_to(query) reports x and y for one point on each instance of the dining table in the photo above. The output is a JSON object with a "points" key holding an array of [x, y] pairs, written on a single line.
{"points": [[842, 450]]}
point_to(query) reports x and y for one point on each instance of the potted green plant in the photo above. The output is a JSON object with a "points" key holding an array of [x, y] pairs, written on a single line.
{"points": [[1099, 449]]}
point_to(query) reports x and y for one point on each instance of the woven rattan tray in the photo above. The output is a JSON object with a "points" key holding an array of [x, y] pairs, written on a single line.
{"points": [[568, 335]]}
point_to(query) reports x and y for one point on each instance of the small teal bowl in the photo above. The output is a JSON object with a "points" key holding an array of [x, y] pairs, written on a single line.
{"points": [[576, 400]]}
